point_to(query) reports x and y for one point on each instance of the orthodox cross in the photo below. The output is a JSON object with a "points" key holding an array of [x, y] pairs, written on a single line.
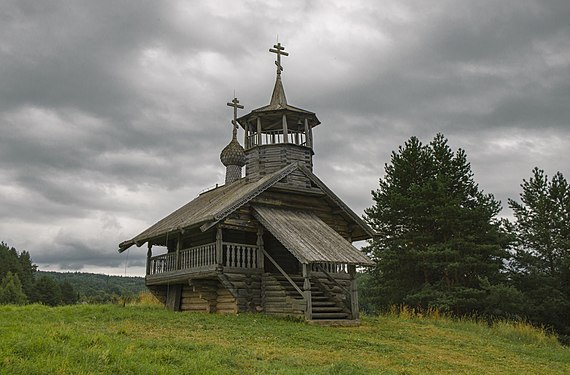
{"points": [[279, 50], [236, 105]]}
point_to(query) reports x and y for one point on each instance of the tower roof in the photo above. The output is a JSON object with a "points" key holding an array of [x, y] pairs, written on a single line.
{"points": [[278, 103]]}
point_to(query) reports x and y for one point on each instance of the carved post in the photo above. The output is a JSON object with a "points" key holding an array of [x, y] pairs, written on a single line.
{"points": [[258, 131], [178, 244], [148, 256], [219, 255], [353, 291], [310, 134], [245, 135], [307, 138], [307, 291], [285, 131], [260, 261]]}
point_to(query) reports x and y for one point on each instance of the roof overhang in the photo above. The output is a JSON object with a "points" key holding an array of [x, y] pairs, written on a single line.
{"points": [[308, 238]]}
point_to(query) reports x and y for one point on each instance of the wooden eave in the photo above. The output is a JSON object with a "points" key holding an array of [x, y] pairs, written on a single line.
{"points": [[209, 208], [307, 237]]}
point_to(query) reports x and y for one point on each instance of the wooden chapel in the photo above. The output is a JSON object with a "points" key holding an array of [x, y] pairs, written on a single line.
{"points": [[276, 241]]}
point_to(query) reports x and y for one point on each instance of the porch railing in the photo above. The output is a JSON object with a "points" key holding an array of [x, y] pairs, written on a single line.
{"points": [[240, 255], [204, 257], [330, 267]]}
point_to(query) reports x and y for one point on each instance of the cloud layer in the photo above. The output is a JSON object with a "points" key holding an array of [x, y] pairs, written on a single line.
{"points": [[112, 114]]}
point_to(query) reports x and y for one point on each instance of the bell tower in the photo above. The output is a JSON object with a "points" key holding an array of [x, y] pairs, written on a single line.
{"points": [[277, 134]]}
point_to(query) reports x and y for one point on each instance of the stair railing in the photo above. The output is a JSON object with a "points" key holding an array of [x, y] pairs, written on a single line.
{"points": [[284, 274], [346, 291]]}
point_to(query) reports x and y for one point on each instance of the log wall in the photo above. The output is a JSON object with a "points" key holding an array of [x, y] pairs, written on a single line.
{"points": [[266, 159]]}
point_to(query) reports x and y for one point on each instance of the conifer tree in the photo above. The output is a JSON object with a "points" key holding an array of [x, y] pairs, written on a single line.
{"points": [[11, 290], [439, 237], [47, 291], [541, 267]]}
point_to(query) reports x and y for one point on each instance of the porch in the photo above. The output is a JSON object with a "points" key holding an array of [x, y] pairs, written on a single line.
{"points": [[203, 261]]}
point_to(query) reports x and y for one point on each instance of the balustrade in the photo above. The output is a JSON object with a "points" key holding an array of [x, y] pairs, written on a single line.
{"points": [[240, 255], [330, 267], [203, 257], [277, 136]]}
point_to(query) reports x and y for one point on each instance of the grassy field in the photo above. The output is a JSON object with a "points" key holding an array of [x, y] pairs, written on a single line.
{"points": [[146, 339]]}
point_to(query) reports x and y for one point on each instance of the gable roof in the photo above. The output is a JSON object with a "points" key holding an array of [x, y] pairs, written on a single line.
{"points": [[215, 205], [212, 205], [307, 237]]}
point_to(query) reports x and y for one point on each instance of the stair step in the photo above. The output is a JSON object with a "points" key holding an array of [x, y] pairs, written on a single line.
{"points": [[323, 303], [326, 309], [335, 315]]}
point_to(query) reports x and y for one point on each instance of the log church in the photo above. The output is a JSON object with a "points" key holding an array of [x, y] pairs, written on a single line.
{"points": [[276, 240]]}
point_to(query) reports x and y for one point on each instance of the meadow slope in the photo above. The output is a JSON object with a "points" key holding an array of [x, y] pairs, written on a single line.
{"points": [[147, 339]]}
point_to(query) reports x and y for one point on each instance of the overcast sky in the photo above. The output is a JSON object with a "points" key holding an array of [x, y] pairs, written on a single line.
{"points": [[113, 113]]}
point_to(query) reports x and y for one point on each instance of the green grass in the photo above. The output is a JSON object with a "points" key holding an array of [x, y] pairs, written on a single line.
{"points": [[146, 339]]}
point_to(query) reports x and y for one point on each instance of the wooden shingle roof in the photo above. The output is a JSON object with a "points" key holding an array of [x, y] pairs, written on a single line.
{"points": [[212, 205], [215, 205], [307, 237]]}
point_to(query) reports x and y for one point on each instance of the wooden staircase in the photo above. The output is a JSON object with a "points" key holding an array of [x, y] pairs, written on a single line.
{"points": [[279, 293]]}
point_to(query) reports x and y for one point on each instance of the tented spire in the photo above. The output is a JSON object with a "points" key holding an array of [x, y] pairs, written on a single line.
{"points": [[278, 96]]}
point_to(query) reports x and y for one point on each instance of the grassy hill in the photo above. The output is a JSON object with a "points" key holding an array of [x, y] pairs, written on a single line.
{"points": [[147, 339]]}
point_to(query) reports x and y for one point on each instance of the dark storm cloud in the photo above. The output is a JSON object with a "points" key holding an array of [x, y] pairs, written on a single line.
{"points": [[112, 114]]}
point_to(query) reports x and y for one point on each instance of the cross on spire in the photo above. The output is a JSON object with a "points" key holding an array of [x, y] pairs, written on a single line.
{"points": [[236, 105], [279, 50]]}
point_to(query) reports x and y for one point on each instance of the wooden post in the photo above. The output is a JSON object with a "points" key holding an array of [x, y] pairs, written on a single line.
{"points": [[353, 291], [219, 254], [285, 131], [307, 137], [258, 131], [148, 256], [245, 135], [307, 292], [178, 245], [260, 260], [310, 134]]}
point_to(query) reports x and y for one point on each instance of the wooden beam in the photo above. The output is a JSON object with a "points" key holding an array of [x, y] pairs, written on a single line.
{"points": [[219, 256], [285, 131], [353, 291], [307, 291], [260, 260], [259, 131], [148, 256], [283, 273]]}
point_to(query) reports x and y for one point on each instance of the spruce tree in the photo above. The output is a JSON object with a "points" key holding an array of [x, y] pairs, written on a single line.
{"points": [[11, 290], [47, 291], [439, 237], [541, 264]]}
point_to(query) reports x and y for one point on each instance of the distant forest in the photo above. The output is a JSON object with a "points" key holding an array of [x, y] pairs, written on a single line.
{"points": [[98, 288], [21, 283]]}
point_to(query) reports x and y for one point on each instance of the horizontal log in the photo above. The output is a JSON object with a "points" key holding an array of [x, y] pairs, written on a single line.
{"points": [[226, 306]]}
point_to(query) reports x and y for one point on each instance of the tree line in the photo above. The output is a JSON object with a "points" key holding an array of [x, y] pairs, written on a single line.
{"points": [[22, 283], [19, 286], [441, 244]]}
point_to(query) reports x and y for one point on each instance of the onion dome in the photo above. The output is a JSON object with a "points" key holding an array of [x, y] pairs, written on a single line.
{"points": [[233, 154]]}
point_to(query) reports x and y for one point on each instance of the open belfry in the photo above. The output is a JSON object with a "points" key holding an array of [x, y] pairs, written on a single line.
{"points": [[276, 241]]}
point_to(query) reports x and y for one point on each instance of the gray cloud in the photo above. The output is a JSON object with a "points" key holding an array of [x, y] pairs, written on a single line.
{"points": [[113, 114]]}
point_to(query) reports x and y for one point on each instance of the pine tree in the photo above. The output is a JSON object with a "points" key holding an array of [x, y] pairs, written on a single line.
{"points": [[11, 290], [68, 294], [438, 233], [47, 291], [541, 265]]}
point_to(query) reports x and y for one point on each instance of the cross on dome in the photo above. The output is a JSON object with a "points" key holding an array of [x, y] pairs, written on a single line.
{"points": [[236, 105], [279, 50]]}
